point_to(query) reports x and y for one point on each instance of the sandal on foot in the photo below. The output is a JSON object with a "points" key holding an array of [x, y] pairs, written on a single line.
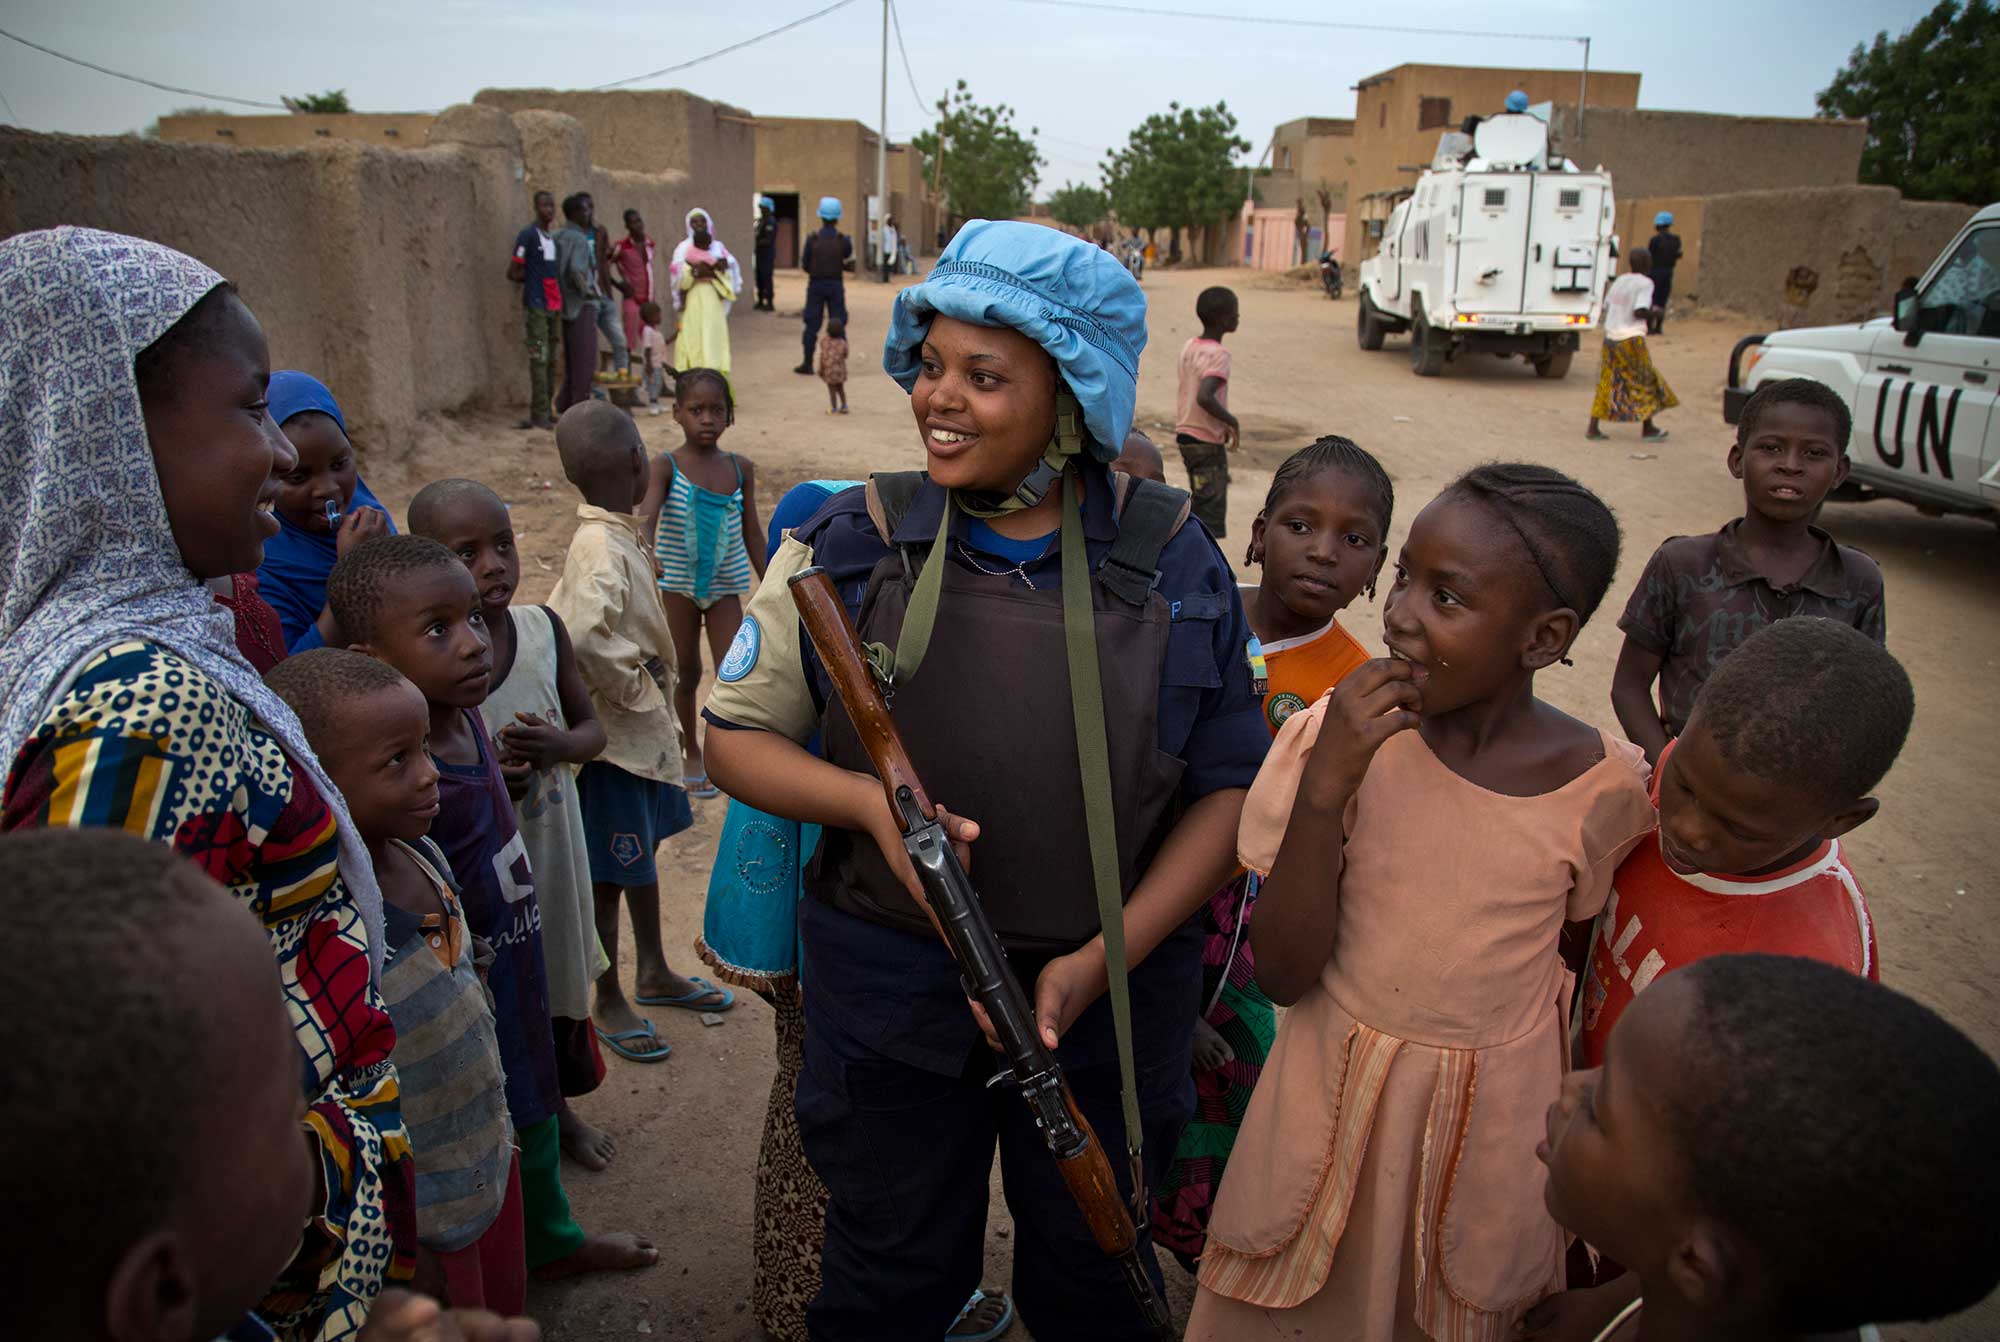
{"points": [[978, 1322], [692, 1001], [700, 788], [1595, 435], [647, 1030], [1659, 437]]}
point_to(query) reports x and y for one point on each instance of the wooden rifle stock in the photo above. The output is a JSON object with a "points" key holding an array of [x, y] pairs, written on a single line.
{"points": [[955, 911]]}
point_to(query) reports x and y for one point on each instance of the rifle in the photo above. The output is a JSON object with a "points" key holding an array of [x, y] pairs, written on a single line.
{"points": [[960, 918]]}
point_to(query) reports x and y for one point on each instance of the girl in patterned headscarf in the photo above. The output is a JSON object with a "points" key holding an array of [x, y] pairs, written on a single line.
{"points": [[137, 460]]}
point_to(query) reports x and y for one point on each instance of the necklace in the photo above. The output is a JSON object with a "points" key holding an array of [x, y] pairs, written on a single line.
{"points": [[1015, 572]]}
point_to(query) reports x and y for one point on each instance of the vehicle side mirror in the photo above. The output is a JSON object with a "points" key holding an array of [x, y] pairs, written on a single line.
{"points": [[1907, 316]]}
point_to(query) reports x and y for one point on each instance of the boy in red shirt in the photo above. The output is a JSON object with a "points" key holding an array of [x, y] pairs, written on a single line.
{"points": [[1787, 738]]}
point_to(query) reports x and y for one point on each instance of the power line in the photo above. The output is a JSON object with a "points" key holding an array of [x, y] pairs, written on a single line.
{"points": [[1273, 21], [724, 51], [10, 109], [136, 79], [896, 18]]}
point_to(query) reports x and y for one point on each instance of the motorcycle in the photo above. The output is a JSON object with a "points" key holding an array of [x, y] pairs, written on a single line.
{"points": [[1329, 274]]}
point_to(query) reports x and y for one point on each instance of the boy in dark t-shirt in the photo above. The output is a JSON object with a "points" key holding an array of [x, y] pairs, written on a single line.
{"points": [[533, 267], [1702, 596]]}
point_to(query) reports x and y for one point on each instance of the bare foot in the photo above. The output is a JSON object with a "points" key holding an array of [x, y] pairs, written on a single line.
{"points": [[617, 1017], [589, 1147], [692, 766], [666, 983], [621, 1251], [1211, 1050]]}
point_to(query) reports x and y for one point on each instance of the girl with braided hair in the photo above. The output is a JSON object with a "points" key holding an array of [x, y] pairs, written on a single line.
{"points": [[1445, 823]]}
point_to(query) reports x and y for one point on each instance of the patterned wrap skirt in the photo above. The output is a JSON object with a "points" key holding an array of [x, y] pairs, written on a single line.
{"points": [[1629, 387]]}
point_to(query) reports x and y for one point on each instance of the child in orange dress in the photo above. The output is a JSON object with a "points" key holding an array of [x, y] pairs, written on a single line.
{"points": [[1321, 541], [1443, 823]]}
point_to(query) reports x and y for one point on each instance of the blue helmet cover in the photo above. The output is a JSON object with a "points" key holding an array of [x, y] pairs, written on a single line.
{"points": [[1069, 296]]}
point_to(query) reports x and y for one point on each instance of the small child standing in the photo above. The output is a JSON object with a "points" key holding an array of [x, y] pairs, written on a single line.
{"points": [[370, 727], [1321, 541], [1205, 429], [409, 602], [1629, 387], [324, 509], [654, 346], [1382, 1179], [1701, 596], [539, 720], [700, 513], [632, 801], [1780, 1150], [833, 366]]}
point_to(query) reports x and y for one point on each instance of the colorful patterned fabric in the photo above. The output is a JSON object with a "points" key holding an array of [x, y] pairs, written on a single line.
{"points": [[147, 742], [177, 738], [699, 539], [1628, 386], [1245, 1018]]}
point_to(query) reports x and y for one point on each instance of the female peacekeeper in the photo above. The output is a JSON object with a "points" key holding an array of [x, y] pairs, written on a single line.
{"points": [[1020, 353]]}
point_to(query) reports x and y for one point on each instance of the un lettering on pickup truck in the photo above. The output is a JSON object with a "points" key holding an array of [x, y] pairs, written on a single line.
{"points": [[1922, 384]]}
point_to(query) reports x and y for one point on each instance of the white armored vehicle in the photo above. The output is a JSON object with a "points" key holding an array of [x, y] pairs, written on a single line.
{"points": [[1499, 250]]}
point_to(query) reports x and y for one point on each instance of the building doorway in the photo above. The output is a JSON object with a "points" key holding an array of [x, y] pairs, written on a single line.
{"points": [[787, 215]]}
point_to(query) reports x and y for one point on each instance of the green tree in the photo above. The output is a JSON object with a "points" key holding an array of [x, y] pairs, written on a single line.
{"points": [[152, 130], [990, 168], [1079, 207], [1178, 170], [1932, 99], [333, 100]]}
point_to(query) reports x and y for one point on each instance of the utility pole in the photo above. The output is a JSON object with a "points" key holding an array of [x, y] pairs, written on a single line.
{"points": [[882, 154]]}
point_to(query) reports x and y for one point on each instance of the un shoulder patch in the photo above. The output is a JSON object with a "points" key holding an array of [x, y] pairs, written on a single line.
{"points": [[741, 658]]}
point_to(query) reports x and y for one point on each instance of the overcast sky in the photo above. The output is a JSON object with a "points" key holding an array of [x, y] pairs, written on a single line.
{"points": [[1084, 78]]}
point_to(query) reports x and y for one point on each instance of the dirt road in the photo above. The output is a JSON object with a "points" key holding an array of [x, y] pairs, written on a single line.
{"points": [[688, 1128]]}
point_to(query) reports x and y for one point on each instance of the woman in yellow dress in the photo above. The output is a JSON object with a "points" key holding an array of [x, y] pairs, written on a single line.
{"points": [[705, 280]]}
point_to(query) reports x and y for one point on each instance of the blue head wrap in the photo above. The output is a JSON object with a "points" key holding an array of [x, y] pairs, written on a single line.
{"points": [[1069, 296], [766, 203], [1663, 218], [829, 208], [297, 561], [294, 393], [1517, 101]]}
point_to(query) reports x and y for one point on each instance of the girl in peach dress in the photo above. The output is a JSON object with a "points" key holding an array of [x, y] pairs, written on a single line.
{"points": [[1427, 828]]}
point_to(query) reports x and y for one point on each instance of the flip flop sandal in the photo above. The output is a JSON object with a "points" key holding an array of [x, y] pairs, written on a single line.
{"points": [[1659, 437], [616, 1043], [966, 1329], [692, 1001], [700, 788]]}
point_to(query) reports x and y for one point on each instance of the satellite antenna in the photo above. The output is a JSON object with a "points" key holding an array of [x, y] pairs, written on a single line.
{"points": [[1511, 140]]}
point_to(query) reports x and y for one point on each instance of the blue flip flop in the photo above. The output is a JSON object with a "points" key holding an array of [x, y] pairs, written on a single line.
{"points": [[616, 1043], [692, 1001], [979, 1298]]}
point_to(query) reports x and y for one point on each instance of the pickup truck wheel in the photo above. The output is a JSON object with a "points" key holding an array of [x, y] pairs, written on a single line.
{"points": [[1368, 330], [1427, 349], [1554, 365]]}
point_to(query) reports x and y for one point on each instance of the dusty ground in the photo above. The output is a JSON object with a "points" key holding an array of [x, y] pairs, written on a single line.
{"points": [[688, 1128]]}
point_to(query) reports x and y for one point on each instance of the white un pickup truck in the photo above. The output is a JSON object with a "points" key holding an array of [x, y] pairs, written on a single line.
{"points": [[1922, 384]]}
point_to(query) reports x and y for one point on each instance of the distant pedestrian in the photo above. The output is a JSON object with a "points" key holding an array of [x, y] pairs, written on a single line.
{"points": [[576, 271], [1204, 428], [705, 280], [534, 269], [766, 253], [826, 258], [610, 326], [891, 243], [1629, 387], [632, 273], [1665, 249], [833, 366]]}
